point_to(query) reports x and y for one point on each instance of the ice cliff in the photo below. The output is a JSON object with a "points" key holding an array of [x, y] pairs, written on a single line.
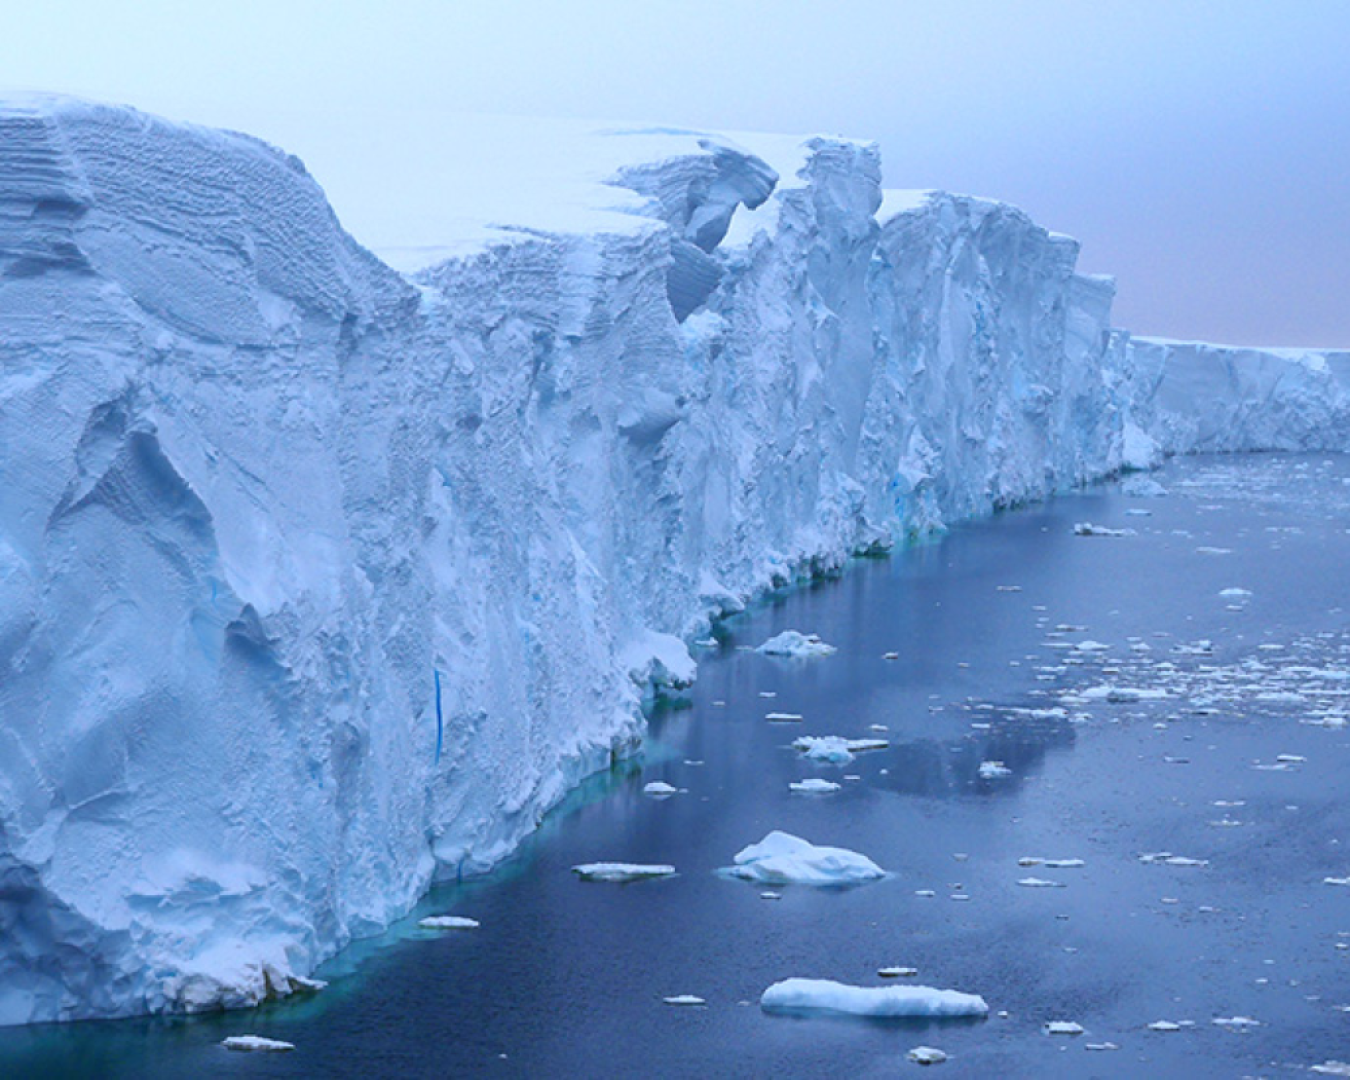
{"points": [[318, 579]]}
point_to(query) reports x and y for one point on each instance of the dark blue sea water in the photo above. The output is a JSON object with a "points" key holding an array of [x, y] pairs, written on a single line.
{"points": [[566, 978]]}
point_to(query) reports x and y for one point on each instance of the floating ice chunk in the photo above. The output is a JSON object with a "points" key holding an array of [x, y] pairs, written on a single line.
{"points": [[659, 789], [1336, 881], [814, 786], [1290, 759], [783, 717], [828, 996], [927, 1055], [256, 1043], [1100, 1046], [993, 770], [448, 922], [783, 859], [1009, 588], [684, 999], [1040, 883], [1332, 1068], [1237, 1023], [1164, 1025], [621, 872], [890, 656], [1166, 858], [1138, 511], [1091, 646], [1062, 1027], [834, 748], [792, 643], [896, 972], [1235, 593], [1143, 487], [1213, 551], [1086, 528]]}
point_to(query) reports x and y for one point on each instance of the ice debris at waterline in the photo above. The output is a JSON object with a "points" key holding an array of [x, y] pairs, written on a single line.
{"points": [[827, 996], [448, 922], [622, 872], [795, 644], [256, 1044], [552, 404], [814, 786], [783, 859], [927, 1055], [684, 999], [1086, 528], [659, 789]]}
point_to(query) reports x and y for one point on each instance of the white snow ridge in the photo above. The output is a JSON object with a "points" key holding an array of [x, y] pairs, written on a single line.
{"points": [[318, 578]]}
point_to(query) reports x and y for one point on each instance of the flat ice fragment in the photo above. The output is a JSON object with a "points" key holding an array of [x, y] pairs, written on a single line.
{"points": [[1040, 883], [994, 770], [828, 996], [1236, 1023], [621, 872], [1063, 1027], [769, 895], [783, 859], [1235, 593], [659, 789], [794, 644], [684, 999], [930, 893], [783, 717], [1213, 551], [835, 749], [1290, 759], [1331, 1067], [814, 786], [1100, 1046], [256, 1043], [1164, 1025], [1091, 646], [890, 656], [1138, 511], [448, 922], [1336, 881], [927, 1055], [1086, 528], [896, 972]]}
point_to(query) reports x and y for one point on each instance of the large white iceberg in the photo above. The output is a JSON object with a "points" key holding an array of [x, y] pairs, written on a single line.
{"points": [[828, 996], [319, 579], [783, 859]]}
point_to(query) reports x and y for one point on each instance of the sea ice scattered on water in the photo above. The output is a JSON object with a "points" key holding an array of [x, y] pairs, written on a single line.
{"points": [[448, 922], [815, 786], [828, 996], [927, 1055], [659, 789], [794, 644], [621, 872], [783, 859], [255, 1043], [1063, 1027]]}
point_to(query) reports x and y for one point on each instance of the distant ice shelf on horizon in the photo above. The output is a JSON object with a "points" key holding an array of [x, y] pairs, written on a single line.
{"points": [[319, 579]]}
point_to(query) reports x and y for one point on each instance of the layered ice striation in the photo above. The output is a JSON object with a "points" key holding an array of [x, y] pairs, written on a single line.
{"points": [[319, 579]]}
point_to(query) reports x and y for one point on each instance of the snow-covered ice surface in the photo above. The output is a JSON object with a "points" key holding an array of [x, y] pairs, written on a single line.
{"points": [[256, 1044], [622, 872], [783, 859], [319, 580], [828, 996]]}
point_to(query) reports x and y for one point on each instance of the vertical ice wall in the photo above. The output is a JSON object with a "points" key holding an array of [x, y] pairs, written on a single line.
{"points": [[316, 580]]}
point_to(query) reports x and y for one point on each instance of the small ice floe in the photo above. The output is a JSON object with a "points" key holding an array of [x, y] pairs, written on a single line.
{"points": [[769, 895], [1166, 858], [1100, 1046], [1040, 883], [783, 859], [659, 789], [1336, 881], [1290, 759], [1091, 646], [1225, 822], [1237, 1023], [1051, 864], [1086, 528], [1332, 1068], [448, 922], [926, 1055], [1235, 593], [684, 999], [1008, 588], [890, 656], [1121, 695], [835, 749], [896, 972], [1142, 487], [1062, 1027], [796, 645], [994, 770], [1334, 722], [783, 717], [1213, 551], [622, 872], [828, 996], [929, 893], [1138, 511], [877, 727], [1164, 1025], [768, 693], [256, 1044], [814, 786]]}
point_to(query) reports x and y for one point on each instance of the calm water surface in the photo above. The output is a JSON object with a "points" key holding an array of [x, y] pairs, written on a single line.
{"points": [[566, 978]]}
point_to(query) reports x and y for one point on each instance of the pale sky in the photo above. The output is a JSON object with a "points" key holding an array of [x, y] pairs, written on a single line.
{"points": [[1199, 150]]}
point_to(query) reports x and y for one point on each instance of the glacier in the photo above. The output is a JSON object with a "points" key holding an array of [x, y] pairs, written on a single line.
{"points": [[326, 570]]}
